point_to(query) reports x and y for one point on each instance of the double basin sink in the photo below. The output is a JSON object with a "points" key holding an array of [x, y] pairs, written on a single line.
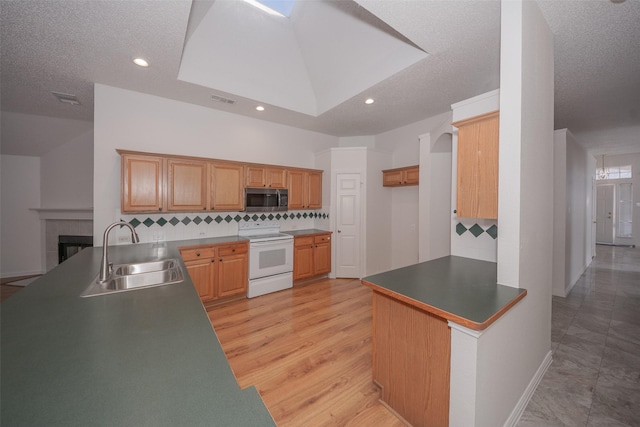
{"points": [[128, 277]]}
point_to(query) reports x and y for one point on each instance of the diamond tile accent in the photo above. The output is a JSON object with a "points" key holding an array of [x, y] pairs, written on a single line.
{"points": [[460, 229], [161, 222], [285, 216], [476, 230], [278, 216], [246, 217], [148, 222], [134, 222], [208, 219], [254, 217], [197, 220], [186, 220], [218, 219], [304, 215], [263, 217], [493, 231], [174, 221], [298, 215], [228, 218], [270, 217], [237, 218]]}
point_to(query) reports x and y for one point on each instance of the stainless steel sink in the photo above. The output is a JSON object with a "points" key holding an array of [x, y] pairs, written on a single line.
{"points": [[128, 277], [144, 267]]}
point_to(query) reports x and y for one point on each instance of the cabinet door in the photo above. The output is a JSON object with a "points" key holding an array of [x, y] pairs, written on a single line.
{"points": [[477, 184], [412, 176], [322, 255], [392, 178], [296, 189], [314, 192], [303, 258], [186, 185], [202, 275], [232, 274], [254, 176], [276, 177], [142, 183], [226, 187]]}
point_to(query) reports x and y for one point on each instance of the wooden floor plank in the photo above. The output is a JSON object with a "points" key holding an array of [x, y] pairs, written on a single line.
{"points": [[307, 350]]}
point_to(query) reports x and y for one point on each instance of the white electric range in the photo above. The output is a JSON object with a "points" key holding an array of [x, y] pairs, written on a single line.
{"points": [[270, 257]]}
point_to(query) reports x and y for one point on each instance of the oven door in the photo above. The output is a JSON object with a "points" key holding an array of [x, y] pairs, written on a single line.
{"points": [[268, 258]]}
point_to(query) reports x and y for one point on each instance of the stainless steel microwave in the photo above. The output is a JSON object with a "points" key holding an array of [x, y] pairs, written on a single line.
{"points": [[266, 199]]}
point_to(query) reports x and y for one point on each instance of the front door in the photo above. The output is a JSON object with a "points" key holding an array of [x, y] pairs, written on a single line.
{"points": [[604, 214], [348, 226]]}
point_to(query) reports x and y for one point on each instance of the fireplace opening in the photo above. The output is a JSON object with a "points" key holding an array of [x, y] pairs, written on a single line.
{"points": [[68, 246]]}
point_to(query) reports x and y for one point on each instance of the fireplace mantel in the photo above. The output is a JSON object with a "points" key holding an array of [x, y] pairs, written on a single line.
{"points": [[65, 213]]}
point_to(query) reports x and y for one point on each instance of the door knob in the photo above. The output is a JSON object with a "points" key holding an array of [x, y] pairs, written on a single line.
{"points": [[339, 231]]}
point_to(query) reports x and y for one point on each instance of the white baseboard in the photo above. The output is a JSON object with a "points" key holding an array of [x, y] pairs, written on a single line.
{"points": [[515, 415]]}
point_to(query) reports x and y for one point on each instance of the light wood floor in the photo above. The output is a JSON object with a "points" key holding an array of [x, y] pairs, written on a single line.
{"points": [[307, 350]]}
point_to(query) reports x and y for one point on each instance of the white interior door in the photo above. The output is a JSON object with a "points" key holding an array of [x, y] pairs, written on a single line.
{"points": [[348, 227], [604, 214]]}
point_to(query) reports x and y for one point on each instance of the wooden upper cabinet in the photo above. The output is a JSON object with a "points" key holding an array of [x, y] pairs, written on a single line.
{"points": [[305, 189], [142, 183], [264, 176], [314, 195], [226, 186], [477, 181], [397, 177], [186, 185]]}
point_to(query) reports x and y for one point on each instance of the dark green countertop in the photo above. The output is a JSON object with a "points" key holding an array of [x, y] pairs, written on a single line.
{"points": [[147, 357], [462, 290], [305, 232]]}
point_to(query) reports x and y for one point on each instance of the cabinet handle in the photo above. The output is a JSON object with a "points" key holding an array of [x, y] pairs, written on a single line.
{"points": [[213, 260], [233, 250], [197, 253], [160, 209]]}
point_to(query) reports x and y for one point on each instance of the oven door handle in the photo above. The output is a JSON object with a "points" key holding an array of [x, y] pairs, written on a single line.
{"points": [[271, 243]]}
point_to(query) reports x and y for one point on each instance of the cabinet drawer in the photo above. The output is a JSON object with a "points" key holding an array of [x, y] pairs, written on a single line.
{"points": [[232, 250], [198, 253], [322, 238], [303, 241]]}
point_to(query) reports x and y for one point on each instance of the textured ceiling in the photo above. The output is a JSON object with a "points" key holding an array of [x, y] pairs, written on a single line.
{"points": [[68, 45]]}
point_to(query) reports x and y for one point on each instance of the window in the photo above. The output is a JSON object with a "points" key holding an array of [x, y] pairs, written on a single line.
{"points": [[614, 172], [625, 209]]}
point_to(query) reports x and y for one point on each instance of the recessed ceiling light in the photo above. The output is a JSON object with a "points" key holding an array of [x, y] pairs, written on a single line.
{"points": [[140, 62], [260, 108], [369, 101]]}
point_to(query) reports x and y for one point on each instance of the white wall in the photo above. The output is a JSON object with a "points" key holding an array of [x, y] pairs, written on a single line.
{"points": [[20, 227], [483, 247], [135, 121], [66, 174], [573, 187], [512, 352], [381, 240], [409, 206]]}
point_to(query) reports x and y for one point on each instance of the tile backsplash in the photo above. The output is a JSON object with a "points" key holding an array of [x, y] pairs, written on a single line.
{"points": [[182, 226]]}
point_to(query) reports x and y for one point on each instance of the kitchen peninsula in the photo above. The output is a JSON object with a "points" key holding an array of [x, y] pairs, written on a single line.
{"points": [[147, 357], [413, 310]]}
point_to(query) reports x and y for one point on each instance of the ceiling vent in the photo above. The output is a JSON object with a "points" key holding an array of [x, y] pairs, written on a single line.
{"points": [[223, 99], [66, 98]]}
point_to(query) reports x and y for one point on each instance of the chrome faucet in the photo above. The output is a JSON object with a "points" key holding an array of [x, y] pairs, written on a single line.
{"points": [[105, 266]]}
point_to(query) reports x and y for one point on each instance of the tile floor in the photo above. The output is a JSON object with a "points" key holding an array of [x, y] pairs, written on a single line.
{"points": [[594, 379]]}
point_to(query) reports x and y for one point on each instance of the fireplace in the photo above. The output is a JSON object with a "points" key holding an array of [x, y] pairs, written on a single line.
{"points": [[71, 245]]}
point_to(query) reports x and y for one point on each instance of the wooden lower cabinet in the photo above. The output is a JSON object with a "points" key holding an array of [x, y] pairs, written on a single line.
{"points": [[411, 361], [218, 271], [311, 256]]}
